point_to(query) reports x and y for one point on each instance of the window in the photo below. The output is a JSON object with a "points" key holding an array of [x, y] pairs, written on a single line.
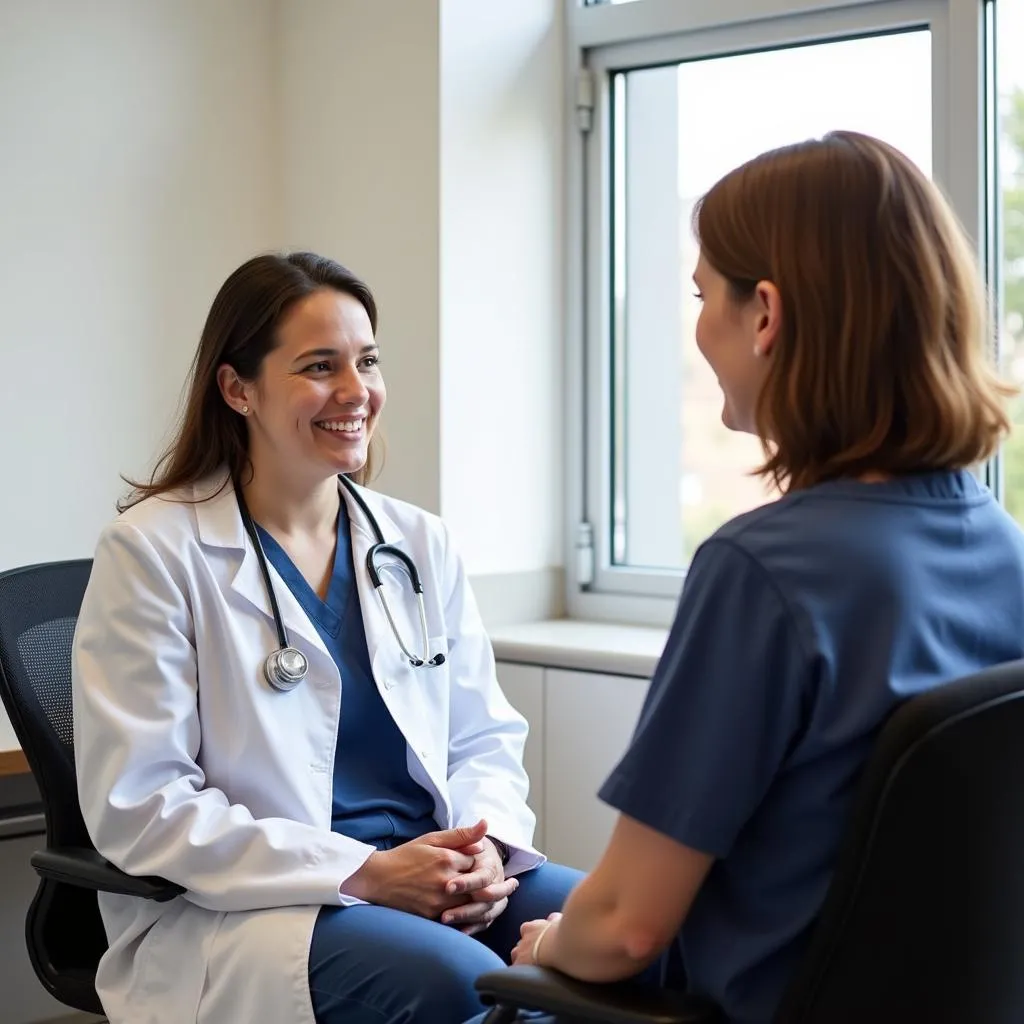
{"points": [[669, 98], [662, 163], [1009, 223]]}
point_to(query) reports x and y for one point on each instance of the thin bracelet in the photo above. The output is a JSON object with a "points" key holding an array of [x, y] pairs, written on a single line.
{"points": [[535, 955]]}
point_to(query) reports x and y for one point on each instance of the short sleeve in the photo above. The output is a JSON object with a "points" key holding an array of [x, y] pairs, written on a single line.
{"points": [[723, 709]]}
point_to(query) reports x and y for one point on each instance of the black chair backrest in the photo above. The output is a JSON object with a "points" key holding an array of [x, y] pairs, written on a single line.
{"points": [[924, 919], [39, 607]]}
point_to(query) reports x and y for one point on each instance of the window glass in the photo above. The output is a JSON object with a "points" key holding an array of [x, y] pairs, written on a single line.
{"points": [[1010, 226], [677, 472]]}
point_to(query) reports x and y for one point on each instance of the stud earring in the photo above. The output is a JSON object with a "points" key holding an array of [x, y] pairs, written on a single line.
{"points": [[245, 410]]}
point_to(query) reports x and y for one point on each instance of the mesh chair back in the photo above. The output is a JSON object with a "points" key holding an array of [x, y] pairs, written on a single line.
{"points": [[38, 610], [39, 607]]}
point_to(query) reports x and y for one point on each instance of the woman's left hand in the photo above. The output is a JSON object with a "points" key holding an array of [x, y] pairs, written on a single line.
{"points": [[529, 935], [486, 892], [487, 906]]}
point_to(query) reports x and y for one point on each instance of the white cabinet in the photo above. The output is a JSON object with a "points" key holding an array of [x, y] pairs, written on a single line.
{"points": [[580, 725], [588, 721], [523, 685]]}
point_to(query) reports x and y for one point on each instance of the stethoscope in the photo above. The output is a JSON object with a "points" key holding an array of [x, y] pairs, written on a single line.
{"points": [[286, 667]]}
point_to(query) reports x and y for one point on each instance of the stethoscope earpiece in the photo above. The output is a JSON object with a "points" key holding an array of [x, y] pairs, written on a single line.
{"points": [[286, 667], [435, 661]]}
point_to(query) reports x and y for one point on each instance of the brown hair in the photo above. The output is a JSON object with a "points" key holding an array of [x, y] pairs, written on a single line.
{"points": [[240, 330], [880, 364]]}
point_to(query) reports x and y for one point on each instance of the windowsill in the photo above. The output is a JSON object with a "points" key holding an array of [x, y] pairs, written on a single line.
{"points": [[584, 646]]}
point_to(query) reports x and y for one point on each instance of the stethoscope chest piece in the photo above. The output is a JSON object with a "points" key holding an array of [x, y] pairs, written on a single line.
{"points": [[285, 668]]}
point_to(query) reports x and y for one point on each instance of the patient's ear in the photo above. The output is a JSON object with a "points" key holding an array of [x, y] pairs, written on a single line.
{"points": [[767, 312]]}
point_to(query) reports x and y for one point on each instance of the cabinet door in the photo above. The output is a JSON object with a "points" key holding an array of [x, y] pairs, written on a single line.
{"points": [[523, 685], [8, 741], [588, 721]]}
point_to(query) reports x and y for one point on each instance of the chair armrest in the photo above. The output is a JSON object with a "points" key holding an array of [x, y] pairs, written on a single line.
{"points": [[539, 988], [86, 869]]}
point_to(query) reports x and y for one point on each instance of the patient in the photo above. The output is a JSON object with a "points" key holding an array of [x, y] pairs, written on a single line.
{"points": [[845, 319]]}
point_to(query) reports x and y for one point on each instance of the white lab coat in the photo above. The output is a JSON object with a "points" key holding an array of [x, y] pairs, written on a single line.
{"points": [[191, 768]]}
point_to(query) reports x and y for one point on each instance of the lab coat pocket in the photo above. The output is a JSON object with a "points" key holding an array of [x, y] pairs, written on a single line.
{"points": [[439, 647], [258, 968], [396, 671], [172, 963], [418, 698]]}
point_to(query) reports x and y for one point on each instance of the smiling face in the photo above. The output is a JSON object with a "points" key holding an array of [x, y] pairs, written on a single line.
{"points": [[314, 405], [736, 337]]}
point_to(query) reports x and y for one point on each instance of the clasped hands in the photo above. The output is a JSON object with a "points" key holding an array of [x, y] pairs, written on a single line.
{"points": [[454, 876]]}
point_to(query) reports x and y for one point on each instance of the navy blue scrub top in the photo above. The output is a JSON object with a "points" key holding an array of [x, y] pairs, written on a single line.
{"points": [[375, 800], [801, 626]]}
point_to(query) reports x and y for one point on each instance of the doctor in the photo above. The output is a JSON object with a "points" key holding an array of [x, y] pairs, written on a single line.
{"points": [[347, 817]]}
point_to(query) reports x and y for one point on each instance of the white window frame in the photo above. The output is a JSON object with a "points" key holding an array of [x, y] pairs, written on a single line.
{"points": [[608, 37]]}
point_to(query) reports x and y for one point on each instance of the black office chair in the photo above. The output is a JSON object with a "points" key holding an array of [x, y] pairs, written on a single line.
{"points": [[39, 606], [924, 920]]}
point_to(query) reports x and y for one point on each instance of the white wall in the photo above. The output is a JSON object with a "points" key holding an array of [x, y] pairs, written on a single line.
{"points": [[150, 147], [360, 151], [138, 168], [422, 145], [501, 322]]}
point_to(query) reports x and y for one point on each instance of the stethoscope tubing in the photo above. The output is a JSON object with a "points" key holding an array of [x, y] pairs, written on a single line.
{"points": [[287, 666]]}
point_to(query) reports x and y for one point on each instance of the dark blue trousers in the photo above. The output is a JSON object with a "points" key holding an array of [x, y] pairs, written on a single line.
{"points": [[373, 965]]}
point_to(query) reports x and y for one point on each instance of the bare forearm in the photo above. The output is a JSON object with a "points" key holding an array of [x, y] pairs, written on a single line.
{"points": [[595, 941]]}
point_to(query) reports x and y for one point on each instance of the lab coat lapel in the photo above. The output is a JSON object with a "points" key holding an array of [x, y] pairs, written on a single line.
{"points": [[220, 525]]}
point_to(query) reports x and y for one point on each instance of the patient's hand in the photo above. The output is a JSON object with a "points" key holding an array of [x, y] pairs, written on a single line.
{"points": [[486, 889], [529, 946]]}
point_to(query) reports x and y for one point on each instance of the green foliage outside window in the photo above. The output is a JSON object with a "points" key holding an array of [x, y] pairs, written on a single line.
{"points": [[1013, 285]]}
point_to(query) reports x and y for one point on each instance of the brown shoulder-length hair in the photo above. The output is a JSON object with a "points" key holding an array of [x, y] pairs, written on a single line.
{"points": [[240, 330], [881, 364]]}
